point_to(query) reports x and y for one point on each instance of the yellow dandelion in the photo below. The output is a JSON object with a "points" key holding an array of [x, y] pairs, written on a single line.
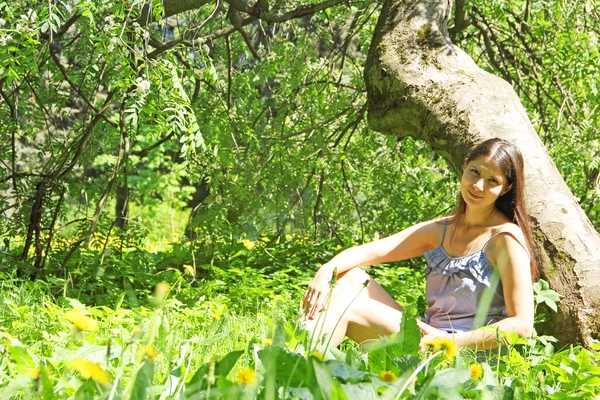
{"points": [[476, 371], [387, 376], [34, 373], [267, 341], [81, 320], [448, 346], [317, 355], [445, 345], [151, 352], [88, 370], [245, 376], [249, 244]]}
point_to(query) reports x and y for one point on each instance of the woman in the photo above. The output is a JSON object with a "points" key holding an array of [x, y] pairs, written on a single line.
{"points": [[480, 257]]}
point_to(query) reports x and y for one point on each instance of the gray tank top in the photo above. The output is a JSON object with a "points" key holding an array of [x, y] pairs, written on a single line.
{"points": [[457, 287]]}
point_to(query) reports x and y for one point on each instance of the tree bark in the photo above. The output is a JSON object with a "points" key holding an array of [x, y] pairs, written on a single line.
{"points": [[419, 84]]}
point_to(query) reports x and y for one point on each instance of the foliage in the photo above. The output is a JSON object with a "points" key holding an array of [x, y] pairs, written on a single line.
{"points": [[167, 349], [140, 148]]}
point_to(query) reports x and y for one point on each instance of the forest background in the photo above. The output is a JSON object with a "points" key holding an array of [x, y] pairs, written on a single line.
{"points": [[179, 170]]}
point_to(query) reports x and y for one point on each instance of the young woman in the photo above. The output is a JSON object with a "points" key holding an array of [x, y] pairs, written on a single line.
{"points": [[478, 258]]}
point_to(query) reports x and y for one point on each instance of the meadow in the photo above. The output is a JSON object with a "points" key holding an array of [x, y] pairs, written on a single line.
{"points": [[133, 323]]}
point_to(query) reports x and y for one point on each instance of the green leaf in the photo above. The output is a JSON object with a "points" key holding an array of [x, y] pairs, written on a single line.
{"points": [[47, 388], [279, 335], [290, 368], [450, 378], [143, 380], [362, 391], [21, 356], [551, 304], [86, 391], [409, 335], [329, 388], [345, 373], [225, 365]]}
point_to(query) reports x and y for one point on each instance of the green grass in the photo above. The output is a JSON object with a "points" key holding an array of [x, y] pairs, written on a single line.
{"points": [[228, 331]]}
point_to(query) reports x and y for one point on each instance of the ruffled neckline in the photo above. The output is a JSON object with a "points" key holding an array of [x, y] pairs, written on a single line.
{"points": [[477, 264]]}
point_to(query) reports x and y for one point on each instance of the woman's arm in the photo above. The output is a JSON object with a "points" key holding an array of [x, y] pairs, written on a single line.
{"points": [[409, 243], [512, 263]]}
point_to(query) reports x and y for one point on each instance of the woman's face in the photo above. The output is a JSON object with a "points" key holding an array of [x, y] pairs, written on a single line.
{"points": [[482, 183]]}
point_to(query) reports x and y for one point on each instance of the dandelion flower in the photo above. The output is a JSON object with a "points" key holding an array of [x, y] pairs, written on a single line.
{"points": [[245, 376], [445, 345], [81, 320], [448, 346], [387, 376], [34, 373], [249, 244], [476, 371], [88, 370], [151, 352]]}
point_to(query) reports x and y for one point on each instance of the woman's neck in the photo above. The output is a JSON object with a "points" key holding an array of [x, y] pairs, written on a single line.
{"points": [[478, 217]]}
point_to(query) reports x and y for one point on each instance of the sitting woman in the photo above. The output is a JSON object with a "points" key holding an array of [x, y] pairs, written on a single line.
{"points": [[478, 258]]}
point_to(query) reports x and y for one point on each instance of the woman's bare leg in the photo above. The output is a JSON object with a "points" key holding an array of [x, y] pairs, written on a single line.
{"points": [[361, 313]]}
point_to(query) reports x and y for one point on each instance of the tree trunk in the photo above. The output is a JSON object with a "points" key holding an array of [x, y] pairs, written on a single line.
{"points": [[419, 84]]}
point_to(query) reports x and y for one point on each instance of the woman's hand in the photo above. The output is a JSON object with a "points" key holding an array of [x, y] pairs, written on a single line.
{"points": [[428, 337], [317, 291], [429, 333]]}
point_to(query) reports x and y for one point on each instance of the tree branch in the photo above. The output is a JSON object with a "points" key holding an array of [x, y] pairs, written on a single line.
{"points": [[461, 19], [300, 12], [144, 152], [78, 91], [63, 29]]}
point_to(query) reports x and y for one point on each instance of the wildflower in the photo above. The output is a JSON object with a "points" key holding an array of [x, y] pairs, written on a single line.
{"points": [[387, 376], [245, 376], [81, 321], [445, 345], [34, 373], [334, 277], [249, 244], [143, 85], [5, 39], [188, 270], [476, 371], [317, 355], [88, 370], [151, 352], [267, 341]]}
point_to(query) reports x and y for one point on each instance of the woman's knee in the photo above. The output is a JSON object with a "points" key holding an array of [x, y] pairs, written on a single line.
{"points": [[356, 277], [351, 283]]}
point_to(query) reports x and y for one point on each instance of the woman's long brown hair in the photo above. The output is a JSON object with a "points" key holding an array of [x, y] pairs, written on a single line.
{"points": [[509, 159]]}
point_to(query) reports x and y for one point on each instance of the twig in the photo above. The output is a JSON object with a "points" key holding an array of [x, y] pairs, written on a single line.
{"points": [[77, 90], [300, 12], [51, 231]]}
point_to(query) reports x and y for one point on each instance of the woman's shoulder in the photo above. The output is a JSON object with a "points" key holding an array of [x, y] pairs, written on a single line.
{"points": [[505, 233], [510, 228], [433, 230]]}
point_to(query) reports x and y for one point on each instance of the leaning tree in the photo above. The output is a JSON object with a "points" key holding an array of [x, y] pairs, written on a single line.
{"points": [[420, 84]]}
